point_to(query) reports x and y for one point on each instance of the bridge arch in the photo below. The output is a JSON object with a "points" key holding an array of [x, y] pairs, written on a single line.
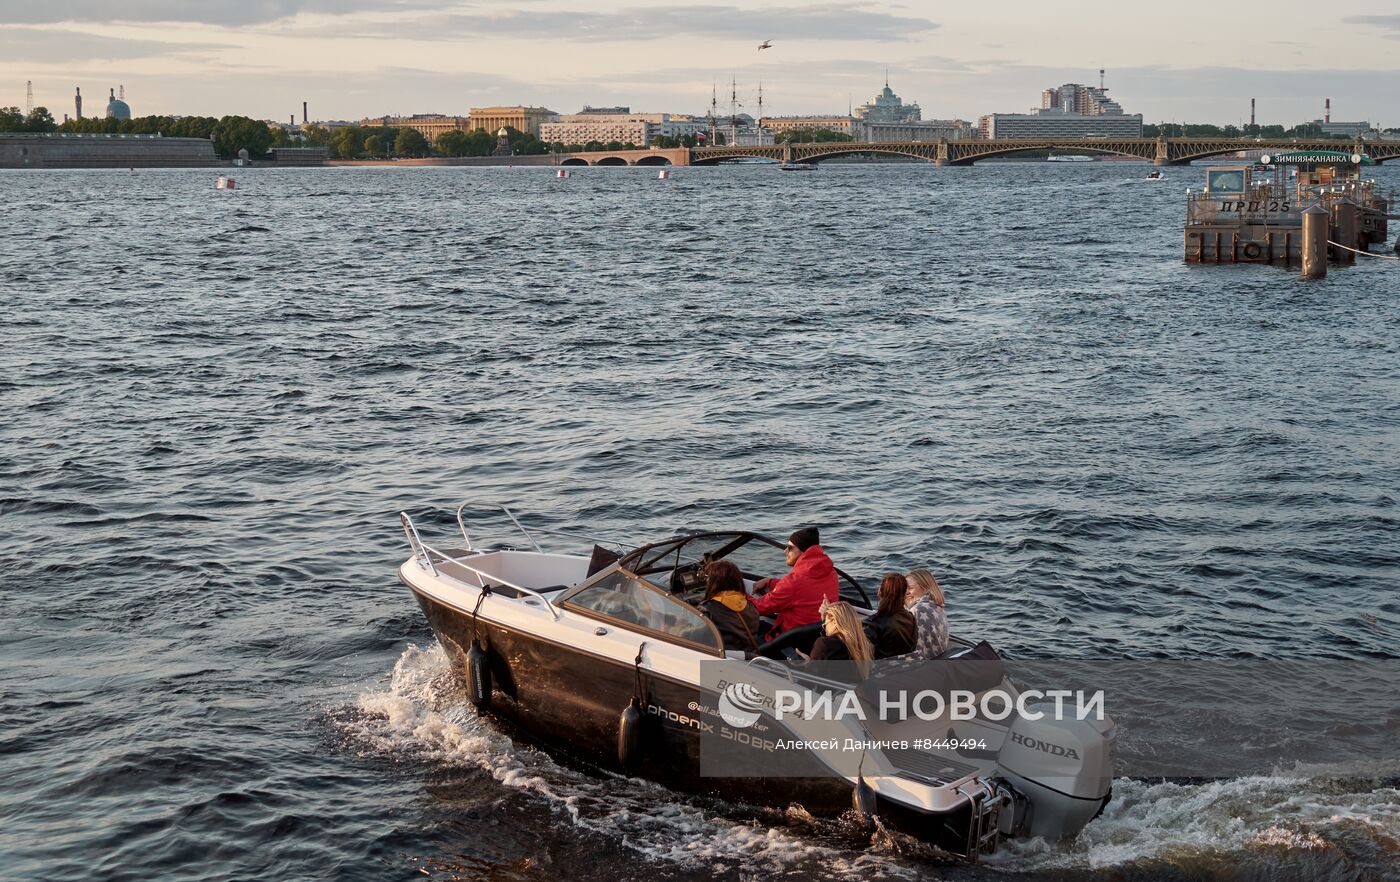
{"points": [[716, 160], [857, 149], [966, 153], [653, 160], [573, 160], [610, 160]]}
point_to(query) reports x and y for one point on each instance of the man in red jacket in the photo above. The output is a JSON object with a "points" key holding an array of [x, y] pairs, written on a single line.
{"points": [[796, 599]]}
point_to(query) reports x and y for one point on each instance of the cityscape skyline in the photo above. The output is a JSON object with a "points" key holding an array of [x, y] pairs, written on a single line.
{"points": [[359, 58]]}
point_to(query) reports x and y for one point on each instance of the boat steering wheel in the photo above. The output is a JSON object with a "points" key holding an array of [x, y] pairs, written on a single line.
{"points": [[688, 580]]}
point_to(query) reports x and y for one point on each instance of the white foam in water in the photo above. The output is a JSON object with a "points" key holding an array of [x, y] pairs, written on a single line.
{"points": [[425, 713], [1174, 821]]}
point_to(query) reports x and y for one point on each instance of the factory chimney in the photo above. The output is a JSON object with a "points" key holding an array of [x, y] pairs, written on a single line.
{"points": [[1251, 113], [1327, 110], [303, 113], [78, 102]]}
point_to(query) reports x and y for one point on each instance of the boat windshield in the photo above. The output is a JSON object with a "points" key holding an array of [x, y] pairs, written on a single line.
{"points": [[677, 564], [695, 550], [635, 603]]}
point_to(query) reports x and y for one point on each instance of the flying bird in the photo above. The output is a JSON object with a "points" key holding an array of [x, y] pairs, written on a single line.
{"points": [[766, 44]]}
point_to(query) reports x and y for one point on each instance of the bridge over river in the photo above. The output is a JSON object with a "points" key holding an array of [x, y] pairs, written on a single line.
{"points": [[1159, 151]]}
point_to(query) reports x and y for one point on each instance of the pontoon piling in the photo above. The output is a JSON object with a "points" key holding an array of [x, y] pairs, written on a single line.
{"points": [[1348, 220], [1315, 228]]}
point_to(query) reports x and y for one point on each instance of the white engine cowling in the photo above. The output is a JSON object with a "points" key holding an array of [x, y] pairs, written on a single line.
{"points": [[1063, 768]]}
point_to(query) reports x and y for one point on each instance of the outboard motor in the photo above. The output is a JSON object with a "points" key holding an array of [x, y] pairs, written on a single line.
{"points": [[1063, 769]]}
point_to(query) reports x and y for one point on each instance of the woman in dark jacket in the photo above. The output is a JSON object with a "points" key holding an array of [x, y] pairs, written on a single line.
{"points": [[893, 629], [843, 638], [728, 607]]}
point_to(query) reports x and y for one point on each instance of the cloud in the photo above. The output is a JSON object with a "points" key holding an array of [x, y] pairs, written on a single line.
{"points": [[215, 12], [822, 21], [1385, 22], [49, 46], [444, 19]]}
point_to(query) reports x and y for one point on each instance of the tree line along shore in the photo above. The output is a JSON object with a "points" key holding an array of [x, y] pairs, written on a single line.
{"points": [[230, 134]]}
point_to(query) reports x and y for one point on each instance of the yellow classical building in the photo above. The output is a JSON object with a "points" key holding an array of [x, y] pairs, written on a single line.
{"points": [[429, 124], [520, 118]]}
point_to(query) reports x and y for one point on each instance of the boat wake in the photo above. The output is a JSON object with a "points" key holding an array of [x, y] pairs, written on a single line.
{"points": [[1279, 827], [424, 715]]}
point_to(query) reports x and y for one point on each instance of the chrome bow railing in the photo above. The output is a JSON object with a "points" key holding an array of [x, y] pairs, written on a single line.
{"points": [[424, 554]]}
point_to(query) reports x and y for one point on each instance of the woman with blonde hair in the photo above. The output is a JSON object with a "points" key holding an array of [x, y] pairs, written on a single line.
{"points": [[925, 601], [843, 638]]}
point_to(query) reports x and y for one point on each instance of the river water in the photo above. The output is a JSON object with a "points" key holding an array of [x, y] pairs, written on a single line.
{"points": [[217, 402]]}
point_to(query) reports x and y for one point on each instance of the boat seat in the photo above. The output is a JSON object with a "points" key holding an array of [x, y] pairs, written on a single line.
{"points": [[802, 637], [507, 591], [974, 670], [600, 560]]}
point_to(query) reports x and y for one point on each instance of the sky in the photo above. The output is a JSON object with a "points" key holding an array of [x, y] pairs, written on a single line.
{"points": [[355, 58]]}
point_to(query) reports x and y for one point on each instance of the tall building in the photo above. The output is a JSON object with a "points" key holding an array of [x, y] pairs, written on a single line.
{"points": [[1077, 98], [430, 125], [887, 108], [1072, 110], [520, 117]]}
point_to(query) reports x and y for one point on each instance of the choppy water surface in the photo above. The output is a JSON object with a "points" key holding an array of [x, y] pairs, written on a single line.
{"points": [[216, 402]]}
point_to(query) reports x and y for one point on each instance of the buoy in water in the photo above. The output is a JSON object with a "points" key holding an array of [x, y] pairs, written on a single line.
{"points": [[562, 173], [478, 677], [664, 174], [223, 183], [629, 736]]}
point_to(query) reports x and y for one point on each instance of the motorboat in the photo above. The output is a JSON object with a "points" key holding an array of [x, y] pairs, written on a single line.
{"points": [[797, 166], [606, 657], [1156, 175]]}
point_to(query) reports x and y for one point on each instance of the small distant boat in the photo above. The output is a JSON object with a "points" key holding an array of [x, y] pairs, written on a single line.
{"points": [[1072, 158], [798, 166], [1156, 175], [224, 183]]}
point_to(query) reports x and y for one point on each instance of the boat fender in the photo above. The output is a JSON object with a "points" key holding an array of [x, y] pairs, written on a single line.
{"points": [[629, 725], [478, 677], [1252, 250], [863, 801], [629, 736], [478, 669]]}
